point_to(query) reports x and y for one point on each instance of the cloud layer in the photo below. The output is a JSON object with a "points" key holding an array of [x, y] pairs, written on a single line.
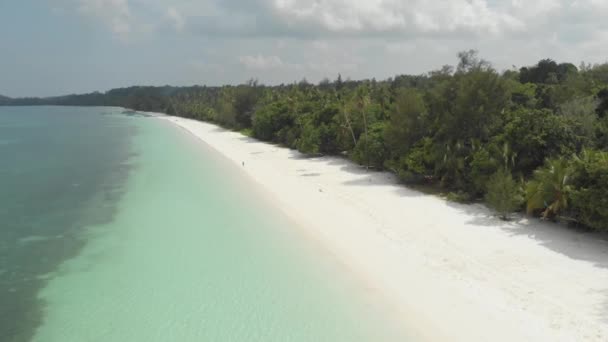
{"points": [[227, 41], [113, 13], [352, 18]]}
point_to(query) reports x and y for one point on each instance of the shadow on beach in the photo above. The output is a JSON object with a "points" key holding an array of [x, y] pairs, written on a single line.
{"points": [[573, 243], [367, 177]]}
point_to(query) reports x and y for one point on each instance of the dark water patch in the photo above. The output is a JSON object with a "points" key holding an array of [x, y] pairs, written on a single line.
{"points": [[65, 171]]}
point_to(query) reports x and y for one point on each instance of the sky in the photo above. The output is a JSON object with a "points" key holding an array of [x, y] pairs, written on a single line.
{"points": [[56, 47]]}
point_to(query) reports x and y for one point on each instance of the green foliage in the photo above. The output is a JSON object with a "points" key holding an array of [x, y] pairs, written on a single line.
{"points": [[503, 193], [582, 112], [245, 100], [469, 61], [522, 94], [270, 119], [596, 74], [602, 106], [247, 132], [483, 165], [371, 149], [420, 158], [417, 165], [547, 71], [589, 198], [263, 124], [408, 121], [601, 133], [549, 189], [226, 113], [459, 196], [535, 135], [310, 140], [473, 106]]}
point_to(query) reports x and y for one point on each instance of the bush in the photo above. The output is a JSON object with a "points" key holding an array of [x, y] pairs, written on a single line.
{"points": [[247, 132], [550, 188], [417, 165], [535, 135], [503, 193], [288, 136], [269, 120], [263, 127], [372, 151], [589, 198], [309, 140], [460, 197], [482, 167]]}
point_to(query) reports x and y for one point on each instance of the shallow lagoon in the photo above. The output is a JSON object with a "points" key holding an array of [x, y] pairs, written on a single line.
{"points": [[182, 247]]}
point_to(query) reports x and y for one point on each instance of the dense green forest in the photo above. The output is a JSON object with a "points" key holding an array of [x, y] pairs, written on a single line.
{"points": [[533, 139]]}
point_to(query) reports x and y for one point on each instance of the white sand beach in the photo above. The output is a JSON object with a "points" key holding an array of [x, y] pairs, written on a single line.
{"points": [[454, 272]]}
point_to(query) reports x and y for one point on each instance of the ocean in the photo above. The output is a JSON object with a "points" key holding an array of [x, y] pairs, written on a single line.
{"points": [[119, 227]]}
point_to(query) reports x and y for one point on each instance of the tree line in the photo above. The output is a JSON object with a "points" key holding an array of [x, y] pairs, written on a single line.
{"points": [[533, 139]]}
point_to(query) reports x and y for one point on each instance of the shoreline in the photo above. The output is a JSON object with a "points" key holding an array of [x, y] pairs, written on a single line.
{"points": [[453, 271]]}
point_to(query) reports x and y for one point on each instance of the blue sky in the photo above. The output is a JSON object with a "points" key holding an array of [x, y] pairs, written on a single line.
{"points": [[53, 47]]}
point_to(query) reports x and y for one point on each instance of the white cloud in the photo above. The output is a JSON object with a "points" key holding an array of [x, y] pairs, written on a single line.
{"points": [[590, 4], [330, 19], [397, 16], [202, 66], [113, 13], [176, 18], [261, 62], [526, 8]]}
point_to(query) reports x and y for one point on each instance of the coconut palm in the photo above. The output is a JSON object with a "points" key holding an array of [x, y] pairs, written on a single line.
{"points": [[549, 188]]}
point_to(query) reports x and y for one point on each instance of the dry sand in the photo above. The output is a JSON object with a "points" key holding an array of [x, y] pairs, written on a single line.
{"points": [[454, 271]]}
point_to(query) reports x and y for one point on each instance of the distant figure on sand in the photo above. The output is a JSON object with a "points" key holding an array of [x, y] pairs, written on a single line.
{"points": [[243, 163]]}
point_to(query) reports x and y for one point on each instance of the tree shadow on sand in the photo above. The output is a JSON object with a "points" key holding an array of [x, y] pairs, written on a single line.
{"points": [[573, 243], [367, 177]]}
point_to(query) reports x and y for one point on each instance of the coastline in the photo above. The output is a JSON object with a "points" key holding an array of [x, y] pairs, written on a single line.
{"points": [[453, 271]]}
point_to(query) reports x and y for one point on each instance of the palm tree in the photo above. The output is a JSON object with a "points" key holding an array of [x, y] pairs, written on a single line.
{"points": [[347, 120], [363, 102], [549, 188], [588, 156]]}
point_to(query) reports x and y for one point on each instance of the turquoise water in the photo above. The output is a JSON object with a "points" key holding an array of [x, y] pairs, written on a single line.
{"points": [[167, 241], [53, 163]]}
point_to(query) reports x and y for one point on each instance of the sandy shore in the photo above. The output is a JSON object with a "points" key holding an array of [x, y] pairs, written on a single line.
{"points": [[455, 272]]}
